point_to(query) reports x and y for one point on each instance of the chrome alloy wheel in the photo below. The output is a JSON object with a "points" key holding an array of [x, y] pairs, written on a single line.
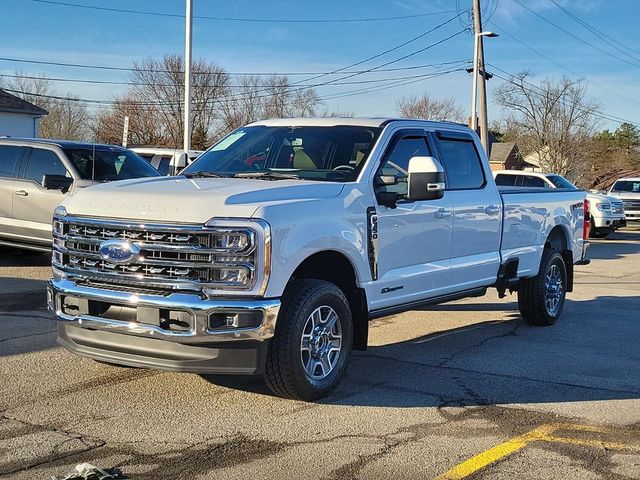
{"points": [[321, 342], [553, 290]]}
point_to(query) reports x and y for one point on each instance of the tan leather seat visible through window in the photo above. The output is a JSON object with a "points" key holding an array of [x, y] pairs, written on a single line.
{"points": [[306, 159]]}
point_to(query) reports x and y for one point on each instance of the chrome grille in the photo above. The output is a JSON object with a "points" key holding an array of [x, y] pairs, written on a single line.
{"points": [[617, 208], [171, 257], [632, 204]]}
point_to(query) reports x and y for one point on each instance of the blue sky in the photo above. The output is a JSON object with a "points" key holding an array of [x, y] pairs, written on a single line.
{"points": [[52, 32]]}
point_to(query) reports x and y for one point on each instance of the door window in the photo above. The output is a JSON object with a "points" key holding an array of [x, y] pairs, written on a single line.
{"points": [[43, 162], [531, 181], [506, 180], [396, 162], [461, 164], [9, 156]]}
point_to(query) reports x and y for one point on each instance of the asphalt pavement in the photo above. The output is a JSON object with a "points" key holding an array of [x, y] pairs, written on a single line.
{"points": [[461, 390]]}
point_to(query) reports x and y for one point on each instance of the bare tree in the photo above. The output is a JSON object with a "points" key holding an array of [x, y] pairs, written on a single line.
{"points": [[554, 120], [68, 117], [256, 98], [426, 107]]}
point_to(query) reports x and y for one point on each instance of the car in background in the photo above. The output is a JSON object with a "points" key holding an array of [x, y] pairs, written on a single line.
{"points": [[628, 190], [168, 161], [37, 174], [607, 212]]}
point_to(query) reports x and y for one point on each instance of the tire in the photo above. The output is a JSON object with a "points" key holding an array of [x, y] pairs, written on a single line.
{"points": [[598, 232], [541, 298], [302, 360]]}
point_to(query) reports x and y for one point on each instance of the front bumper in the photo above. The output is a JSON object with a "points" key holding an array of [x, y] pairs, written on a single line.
{"points": [[633, 216], [177, 331], [611, 222]]}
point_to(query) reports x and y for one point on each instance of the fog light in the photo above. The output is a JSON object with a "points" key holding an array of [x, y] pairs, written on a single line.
{"points": [[222, 321]]}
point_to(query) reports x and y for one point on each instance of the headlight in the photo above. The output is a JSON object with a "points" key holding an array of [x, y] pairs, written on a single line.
{"points": [[603, 206], [242, 258]]}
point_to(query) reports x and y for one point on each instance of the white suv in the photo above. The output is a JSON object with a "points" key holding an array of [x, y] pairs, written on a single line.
{"points": [[628, 190], [607, 211]]}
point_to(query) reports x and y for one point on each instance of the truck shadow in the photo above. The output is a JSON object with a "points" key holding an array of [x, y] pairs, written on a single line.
{"points": [[584, 357]]}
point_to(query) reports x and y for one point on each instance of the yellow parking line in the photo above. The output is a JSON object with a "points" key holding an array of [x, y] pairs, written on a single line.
{"points": [[543, 433]]}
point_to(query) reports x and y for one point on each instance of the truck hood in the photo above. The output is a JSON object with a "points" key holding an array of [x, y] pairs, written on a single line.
{"points": [[626, 195], [195, 200], [600, 197]]}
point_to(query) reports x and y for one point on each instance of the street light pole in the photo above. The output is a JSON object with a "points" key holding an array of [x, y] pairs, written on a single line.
{"points": [[479, 71], [187, 77]]}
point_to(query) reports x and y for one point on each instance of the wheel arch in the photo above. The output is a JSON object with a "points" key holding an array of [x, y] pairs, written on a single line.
{"points": [[335, 267], [559, 240]]}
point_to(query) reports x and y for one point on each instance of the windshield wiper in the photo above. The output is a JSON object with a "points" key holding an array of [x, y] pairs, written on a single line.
{"points": [[268, 175], [204, 175]]}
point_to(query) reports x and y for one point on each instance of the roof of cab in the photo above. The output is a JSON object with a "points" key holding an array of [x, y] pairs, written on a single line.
{"points": [[342, 121]]}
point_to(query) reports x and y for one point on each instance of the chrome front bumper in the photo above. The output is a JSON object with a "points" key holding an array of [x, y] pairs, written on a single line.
{"points": [[199, 310]]}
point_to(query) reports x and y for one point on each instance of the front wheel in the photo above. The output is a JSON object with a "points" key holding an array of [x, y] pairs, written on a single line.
{"points": [[541, 298], [313, 340]]}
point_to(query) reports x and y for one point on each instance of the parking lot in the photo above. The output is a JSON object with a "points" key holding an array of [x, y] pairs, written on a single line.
{"points": [[462, 390]]}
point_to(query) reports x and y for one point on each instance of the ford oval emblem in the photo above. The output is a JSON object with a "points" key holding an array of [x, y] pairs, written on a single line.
{"points": [[118, 251]]}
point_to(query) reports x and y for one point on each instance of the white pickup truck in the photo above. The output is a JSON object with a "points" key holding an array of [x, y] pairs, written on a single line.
{"points": [[274, 249]]}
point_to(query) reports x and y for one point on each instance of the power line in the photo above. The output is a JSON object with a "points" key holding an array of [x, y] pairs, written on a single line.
{"points": [[619, 46], [597, 113], [143, 84], [563, 67], [582, 40], [392, 49], [242, 19]]}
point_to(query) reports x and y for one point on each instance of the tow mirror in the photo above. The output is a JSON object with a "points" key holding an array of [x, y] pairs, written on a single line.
{"points": [[426, 179], [57, 182]]}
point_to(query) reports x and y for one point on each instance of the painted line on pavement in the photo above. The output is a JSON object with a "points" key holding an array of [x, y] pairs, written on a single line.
{"points": [[544, 433]]}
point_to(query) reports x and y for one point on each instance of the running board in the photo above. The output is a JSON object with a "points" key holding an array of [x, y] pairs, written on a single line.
{"points": [[384, 312]]}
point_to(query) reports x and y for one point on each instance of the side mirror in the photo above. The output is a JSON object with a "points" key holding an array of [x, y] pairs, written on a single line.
{"points": [[426, 179], [57, 182], [386, 180]]}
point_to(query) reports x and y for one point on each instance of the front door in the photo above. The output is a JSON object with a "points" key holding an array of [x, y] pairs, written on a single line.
{"points": [[414, 239], [33, 204]]}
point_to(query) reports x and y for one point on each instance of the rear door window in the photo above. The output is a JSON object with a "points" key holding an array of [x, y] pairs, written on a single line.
{"points": [[43, 162], [9, 157], [461, 163], [506, 180], [531, 181]]}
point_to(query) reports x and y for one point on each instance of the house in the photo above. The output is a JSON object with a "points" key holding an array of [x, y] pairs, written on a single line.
{"points": [[506, 156], [19, 118]]}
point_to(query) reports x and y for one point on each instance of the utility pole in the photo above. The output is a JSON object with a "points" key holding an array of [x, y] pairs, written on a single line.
{"points": [[479, 79], [187, 77]]}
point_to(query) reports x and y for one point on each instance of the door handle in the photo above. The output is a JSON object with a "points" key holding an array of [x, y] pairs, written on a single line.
{"points": [[21, 193], [492, 210], [442, 213]]}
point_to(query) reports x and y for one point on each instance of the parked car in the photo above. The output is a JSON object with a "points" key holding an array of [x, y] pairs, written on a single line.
{"points": [[628, 190], [168, 161], [607, 212], [36, 175], [275, 266]]}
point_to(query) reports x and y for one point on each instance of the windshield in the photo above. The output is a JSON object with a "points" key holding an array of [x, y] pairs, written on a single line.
{"points": [[332, 154], [626, 186], [561, 182], [105, 164]]}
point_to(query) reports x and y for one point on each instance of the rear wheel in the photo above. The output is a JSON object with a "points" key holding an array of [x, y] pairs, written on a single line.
{"points": [[541, 298], [598, 232], [311, 347]]}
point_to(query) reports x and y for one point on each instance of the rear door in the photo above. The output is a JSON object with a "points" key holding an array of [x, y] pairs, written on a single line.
{"points": [[10, 156], [33, 205], [477, 211]]}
